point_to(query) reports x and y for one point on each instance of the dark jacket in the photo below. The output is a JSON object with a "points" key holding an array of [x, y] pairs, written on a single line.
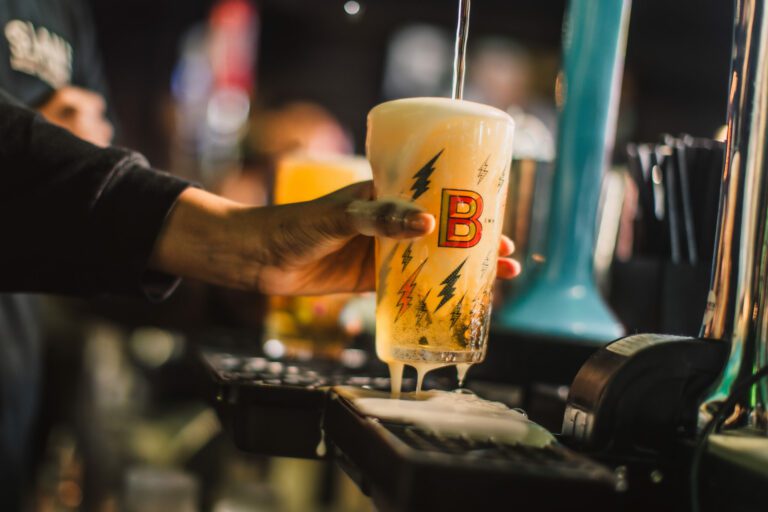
{"points": [[76, 218], [73, 218]]}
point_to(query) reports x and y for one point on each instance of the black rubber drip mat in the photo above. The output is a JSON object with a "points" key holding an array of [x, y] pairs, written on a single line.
{"points": [[404, 467]]}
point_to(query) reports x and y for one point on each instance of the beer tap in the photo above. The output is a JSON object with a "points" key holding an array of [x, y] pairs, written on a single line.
{"points": [[737, 307], [561, 299]]}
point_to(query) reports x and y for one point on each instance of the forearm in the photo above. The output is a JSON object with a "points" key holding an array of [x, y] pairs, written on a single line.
{"points": [[207, 237], [307, 248], [218, 241]]}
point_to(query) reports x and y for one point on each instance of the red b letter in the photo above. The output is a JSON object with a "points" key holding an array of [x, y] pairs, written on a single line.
{"points": [[459, 212]]}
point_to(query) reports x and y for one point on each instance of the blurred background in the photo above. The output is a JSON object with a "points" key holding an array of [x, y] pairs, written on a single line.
{"points": [[221, 92], [675, 78]]}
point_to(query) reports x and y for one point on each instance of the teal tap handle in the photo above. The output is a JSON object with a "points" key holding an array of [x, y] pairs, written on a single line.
{"points": [[560, 297]]}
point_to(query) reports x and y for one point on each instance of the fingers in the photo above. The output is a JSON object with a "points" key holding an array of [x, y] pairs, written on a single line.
{"points": [[506, 246], [390, 218], [507, 268]]}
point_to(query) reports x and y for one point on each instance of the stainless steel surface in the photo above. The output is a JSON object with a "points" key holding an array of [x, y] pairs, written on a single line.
{"points": [[459, 63], [737, 308]]}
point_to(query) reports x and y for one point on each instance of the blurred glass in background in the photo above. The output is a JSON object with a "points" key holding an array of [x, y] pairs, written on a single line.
{"points": [[320, 326]]}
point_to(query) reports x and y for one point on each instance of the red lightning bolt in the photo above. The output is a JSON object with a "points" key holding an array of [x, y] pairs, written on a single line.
{"points": [[406, 291]]}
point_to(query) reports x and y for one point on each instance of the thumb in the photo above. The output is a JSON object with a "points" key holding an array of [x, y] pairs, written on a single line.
{"points": [[390, 218]]}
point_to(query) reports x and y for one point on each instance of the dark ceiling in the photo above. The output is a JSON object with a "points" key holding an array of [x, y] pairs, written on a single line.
{"points": [[677, 55]]}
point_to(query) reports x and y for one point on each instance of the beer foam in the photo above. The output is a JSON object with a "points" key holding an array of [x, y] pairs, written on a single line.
{"points": [[452, 414], [395, 377], [434, 107], [422, 368], [461, 372]]}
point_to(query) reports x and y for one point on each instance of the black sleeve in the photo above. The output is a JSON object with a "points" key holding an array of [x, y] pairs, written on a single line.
{"points": [[75, 218]]}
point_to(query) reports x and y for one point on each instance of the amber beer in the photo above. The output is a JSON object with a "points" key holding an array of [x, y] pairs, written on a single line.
{"points": [[312, 326], [451, 157]]}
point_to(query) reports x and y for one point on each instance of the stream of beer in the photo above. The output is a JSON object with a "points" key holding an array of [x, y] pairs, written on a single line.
{"points": [[460, 51]]}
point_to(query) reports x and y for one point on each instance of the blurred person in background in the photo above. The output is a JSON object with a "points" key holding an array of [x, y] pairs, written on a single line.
{"points": [[295, 127], [49, 61], [298, 126], [418, 62], [501, 74]]}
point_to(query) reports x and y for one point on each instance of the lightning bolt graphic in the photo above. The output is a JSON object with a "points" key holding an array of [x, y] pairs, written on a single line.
{"points": [[456, 313], [501, 180], [421, 183], [422, 312], [407, 256], [448, 285], [406, 291], [482, 172], [485, 264], [384, 270]]}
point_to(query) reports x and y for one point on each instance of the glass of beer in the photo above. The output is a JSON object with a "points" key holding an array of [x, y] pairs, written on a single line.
{"points": [[452, 158], [304, 327]]}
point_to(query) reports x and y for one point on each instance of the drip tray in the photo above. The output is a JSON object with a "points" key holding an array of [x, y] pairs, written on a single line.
{"points": [[408, 466], [276, 407], [312, 410]]}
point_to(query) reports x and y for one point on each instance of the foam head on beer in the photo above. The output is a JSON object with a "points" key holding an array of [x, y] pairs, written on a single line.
{"points": [[452, 158]]}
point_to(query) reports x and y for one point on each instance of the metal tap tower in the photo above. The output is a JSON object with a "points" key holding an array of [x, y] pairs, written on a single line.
{"points": [[561, 299], [737, 308]]}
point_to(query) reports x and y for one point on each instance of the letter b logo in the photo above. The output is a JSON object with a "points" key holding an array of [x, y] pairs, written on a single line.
{"points": [[459, 212]]}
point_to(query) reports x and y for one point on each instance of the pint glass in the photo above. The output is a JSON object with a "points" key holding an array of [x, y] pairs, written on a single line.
{"points": [[451, 157], [304, 327]]}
